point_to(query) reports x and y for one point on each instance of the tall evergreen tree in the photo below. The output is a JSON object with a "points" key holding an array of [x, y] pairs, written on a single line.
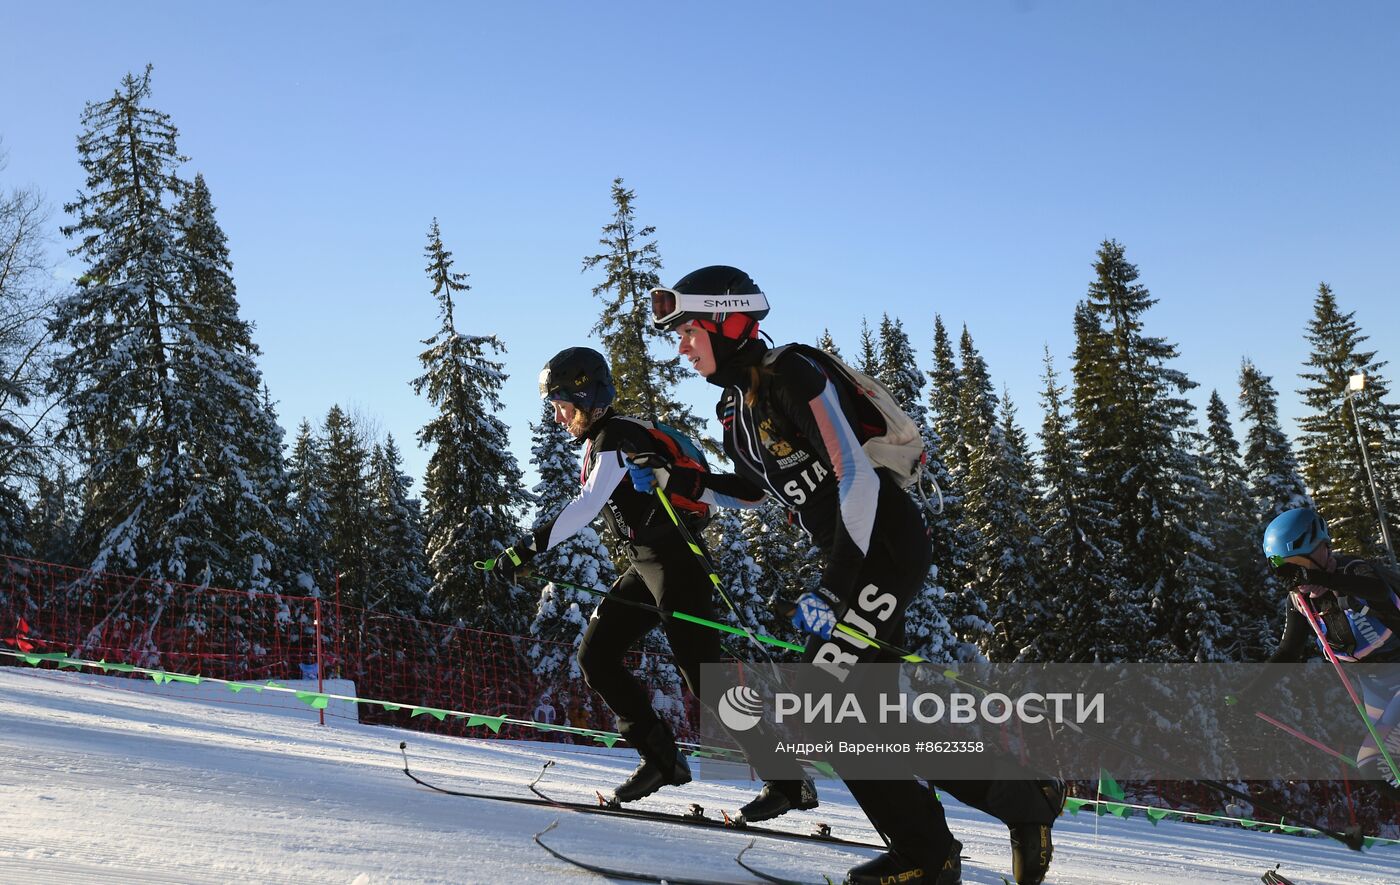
{"points": [[159, 384], [472, 492], [630, 261], [955, 538], [308, 552], [868, 360], [996, 504], [348, 507], [940, 601], [828, 344], [1135, 423], [1230, 521], [1091, 615], [399, 581], [1275, 484], [1331, 456]]}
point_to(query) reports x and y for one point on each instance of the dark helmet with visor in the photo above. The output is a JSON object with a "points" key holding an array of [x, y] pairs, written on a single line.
{"points": [[578, 375], [723, 300]]}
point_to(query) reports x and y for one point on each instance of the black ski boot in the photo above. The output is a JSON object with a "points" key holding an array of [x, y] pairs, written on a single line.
{"points": [[780, 797], [891, 868], [1031, 848], [663, 764]]}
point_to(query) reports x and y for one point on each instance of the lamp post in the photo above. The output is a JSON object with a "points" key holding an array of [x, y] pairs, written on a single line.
{"points": [[1355, 384]]}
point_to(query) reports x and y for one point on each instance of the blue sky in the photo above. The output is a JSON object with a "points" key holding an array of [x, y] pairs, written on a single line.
{"points": [[909, 158]]}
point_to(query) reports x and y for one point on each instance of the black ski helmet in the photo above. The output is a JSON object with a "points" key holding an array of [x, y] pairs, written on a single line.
{"points": [[578, 375], [723, 298]]}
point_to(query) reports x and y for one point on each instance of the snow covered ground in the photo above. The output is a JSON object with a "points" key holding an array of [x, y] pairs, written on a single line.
{"points": [[106, 783]]}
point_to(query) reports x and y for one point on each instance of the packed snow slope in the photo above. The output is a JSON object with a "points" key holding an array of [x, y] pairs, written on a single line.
{"points": [[111, 780]]}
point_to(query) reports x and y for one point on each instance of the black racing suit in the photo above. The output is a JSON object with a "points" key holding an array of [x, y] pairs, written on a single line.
{"points": [[663, 573], [795, 442]]}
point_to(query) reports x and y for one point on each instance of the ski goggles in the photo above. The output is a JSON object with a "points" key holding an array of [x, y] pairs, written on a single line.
{"points": [[670, 308]]}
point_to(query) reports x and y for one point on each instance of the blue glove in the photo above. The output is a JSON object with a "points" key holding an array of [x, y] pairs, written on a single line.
{"points": [[814, 615], [643, 477]]}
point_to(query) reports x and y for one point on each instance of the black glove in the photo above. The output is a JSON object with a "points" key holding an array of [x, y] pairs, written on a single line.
{"points": [[1290, 574], [512, 562]]}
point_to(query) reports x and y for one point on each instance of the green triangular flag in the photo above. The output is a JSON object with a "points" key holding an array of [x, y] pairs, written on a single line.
{"points": [[32, 660], [1156, 814], [607, 740], [491, 722], [390, 707], [1206, 818], [158, 677], [1073, 805], [1109, 787], [824, 769], [1246, 823], [1120, 810], [439, 715], [121, 668], [315, 700], [1291, 830], [1368, 841], [66, 662], [192, 680], [235, 687]]}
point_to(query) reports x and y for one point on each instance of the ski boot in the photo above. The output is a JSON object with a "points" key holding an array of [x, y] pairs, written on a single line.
{"points": [[663, 764], [891, 867], [780, 797], [1031, 848]]}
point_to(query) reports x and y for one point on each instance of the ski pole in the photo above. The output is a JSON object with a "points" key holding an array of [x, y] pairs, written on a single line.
{"points": [[1316, 623], [682, 616], [709, 568], [1288, 729]]}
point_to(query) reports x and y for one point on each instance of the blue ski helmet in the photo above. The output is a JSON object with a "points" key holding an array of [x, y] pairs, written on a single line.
{"points": [[1294, 533], [578, 375]]}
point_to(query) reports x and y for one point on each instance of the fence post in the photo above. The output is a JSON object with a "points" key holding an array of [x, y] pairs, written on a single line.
{"points": [[320, 669]]}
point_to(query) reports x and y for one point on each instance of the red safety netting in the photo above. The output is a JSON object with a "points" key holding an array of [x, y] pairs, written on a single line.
{"points": [[253, 636]]}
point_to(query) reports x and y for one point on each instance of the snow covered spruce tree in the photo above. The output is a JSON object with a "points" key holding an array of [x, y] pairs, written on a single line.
{"points": [[868, 359], [561, 614], [997, 505], [159, 382], [1229, 519], [927, 630], [828, 344], [349, 510], [308, 543], [1275, 484], [399, 581], [1135, 425], [1091, 617], [1331, 456], [630, 261], [732, 547], [472, 492], [963, 605]]}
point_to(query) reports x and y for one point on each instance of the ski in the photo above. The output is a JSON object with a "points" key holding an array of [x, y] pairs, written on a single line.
{"points": [[777, 880], [625, 875], [1274, 877], [695, 817]]}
